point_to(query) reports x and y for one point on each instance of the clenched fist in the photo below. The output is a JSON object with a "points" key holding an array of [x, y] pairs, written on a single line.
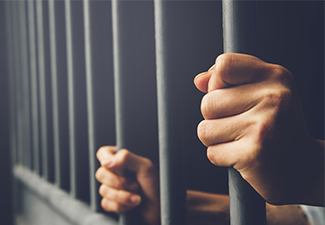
{"points": [[254, 123]]}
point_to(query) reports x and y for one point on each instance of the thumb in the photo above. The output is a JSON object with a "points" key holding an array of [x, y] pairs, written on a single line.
{"points": [[126, 160]]}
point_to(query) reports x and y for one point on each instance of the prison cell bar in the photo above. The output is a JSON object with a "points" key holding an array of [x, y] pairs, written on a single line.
{"points": [[120, 79], [34, 92], [16, 81], [42, 86], [172, 177], [239, 32], [59, 93], [23, 86], [90, 108]]}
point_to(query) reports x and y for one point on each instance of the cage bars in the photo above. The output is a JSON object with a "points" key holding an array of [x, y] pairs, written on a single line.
{"points": [[172, 182], [239, 31]]}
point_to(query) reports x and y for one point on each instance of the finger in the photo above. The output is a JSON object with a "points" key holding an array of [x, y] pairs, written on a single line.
{"points": [[105, 154], [109, 178], [212, 132], [125, 159], [120, 196], [230, 101], [239, 154], [236, 69], [201, 81], [112, 206]]}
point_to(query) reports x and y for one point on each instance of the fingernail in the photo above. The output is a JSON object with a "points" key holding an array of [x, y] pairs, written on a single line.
{"points": [[135, 199]]}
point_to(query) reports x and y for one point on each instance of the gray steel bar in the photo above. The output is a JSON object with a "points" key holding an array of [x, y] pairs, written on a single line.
{"points": [[100, 90], [120, 80], [125, 218], [55, 101], [71, 99], [59, 95], [42, 89], [78, 125], [90, 109], [18, 83], [34, 87], [239, 30], [24, 86], [172, 179]]}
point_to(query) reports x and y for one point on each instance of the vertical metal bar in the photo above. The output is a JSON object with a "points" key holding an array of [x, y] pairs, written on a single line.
{"points": [[34, 87], [119, 113], [121, 98], [18, 82], [99, 86], [70, 99], [125, 218], [78, 129], [25, 133], [55, 89], [90, 109], [172, 181], [42, 86], [239, 30]]}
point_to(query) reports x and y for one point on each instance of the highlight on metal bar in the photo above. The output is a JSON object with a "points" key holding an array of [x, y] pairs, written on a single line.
{"points": [[55, 103], [172, 181], [120, 79], [42, 90], [239, 31], [90, 108], [71, 105], [34, 87]]}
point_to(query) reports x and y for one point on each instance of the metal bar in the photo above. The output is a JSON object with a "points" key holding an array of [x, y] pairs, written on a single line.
{"points": [[42, 91], [100, 91], [18, 83], [121, 95], [71, 104], [24, 86], [125, 218], [172, 181], [59, 94], [90, 109], [55, 101], [78, 129], [34, 87], [239, 31]]}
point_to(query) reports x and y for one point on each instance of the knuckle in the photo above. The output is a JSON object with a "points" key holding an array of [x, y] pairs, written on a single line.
{"points": [[124, 154], [202, 132], [102, 190], [205, 106], [99, 174], [223, 63]]}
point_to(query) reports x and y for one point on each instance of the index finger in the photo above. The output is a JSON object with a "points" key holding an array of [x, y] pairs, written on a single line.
{"points": [[233, 69], [105, 154]]}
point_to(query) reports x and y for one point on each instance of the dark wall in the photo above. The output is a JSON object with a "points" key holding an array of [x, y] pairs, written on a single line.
{"points": [[6, 215]]}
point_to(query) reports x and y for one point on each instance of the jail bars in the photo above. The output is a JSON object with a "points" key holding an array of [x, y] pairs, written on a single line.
{"points": [[66, 102], [240, 35]]}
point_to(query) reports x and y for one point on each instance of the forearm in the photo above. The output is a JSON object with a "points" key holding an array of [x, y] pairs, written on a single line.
{"points": [[206, 208]]}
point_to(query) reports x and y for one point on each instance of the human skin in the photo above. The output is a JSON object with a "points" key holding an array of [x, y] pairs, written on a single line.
{"points": [[254, 123], [202, 208]]}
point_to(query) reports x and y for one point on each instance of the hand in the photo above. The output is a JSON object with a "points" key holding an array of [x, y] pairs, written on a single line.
{"points": [[254, 122], [120, 193]]}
